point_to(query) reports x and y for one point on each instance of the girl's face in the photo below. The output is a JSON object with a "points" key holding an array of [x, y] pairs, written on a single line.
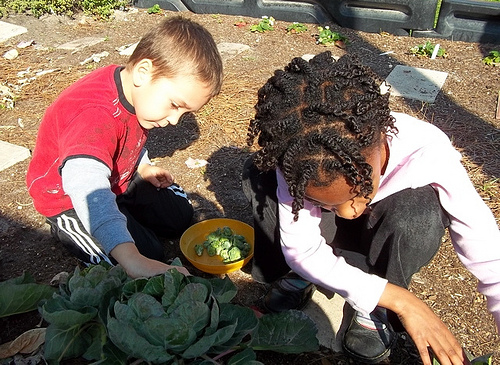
{"points": [[162, 101], [341, 197]]}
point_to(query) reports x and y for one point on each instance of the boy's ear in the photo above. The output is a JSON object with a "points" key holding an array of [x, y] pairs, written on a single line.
{"points": [[142, 72]]}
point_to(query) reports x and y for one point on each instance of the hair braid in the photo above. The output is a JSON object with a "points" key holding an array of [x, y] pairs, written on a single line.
{"points": [[314, 119]]}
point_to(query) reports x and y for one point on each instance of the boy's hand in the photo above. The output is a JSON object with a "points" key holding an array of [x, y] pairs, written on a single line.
{"points": [[137, 265], [157, 176]]}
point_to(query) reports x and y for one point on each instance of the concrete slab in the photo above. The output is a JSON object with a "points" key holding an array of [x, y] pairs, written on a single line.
{"points": [[81, 43], [416, 83], [231, 50], [8, 30], [327, 312], [10, 154]]}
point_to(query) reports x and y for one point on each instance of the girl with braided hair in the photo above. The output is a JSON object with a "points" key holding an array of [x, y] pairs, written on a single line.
{"points": [[355, 198]]}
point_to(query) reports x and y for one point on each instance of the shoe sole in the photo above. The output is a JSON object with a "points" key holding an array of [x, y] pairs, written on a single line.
{"points": [[364, 360], [302, 306]]}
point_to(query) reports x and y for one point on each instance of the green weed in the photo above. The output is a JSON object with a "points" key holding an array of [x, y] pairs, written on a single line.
{"points": [[264, 25], [296, 28], [427, 49], [493, 58], [327, 37], [155, 9]]}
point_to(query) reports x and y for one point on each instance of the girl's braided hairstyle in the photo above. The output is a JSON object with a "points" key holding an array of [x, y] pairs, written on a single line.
{"points": [[315, 119]]}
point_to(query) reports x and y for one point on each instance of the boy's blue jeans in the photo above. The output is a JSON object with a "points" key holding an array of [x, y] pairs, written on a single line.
{"points": [[398, 236]]}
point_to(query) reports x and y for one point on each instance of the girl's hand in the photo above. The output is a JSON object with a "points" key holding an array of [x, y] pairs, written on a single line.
{"points": [[424, 327], [157, 176]]}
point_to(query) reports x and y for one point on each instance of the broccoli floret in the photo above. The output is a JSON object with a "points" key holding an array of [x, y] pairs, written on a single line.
{"points": [[234, 254], [211, 250], [226, 244], [199, 249], [227, 232], [224, 254]]}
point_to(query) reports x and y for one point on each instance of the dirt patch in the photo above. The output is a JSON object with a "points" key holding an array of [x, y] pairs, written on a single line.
{"points": [[464, 109]]}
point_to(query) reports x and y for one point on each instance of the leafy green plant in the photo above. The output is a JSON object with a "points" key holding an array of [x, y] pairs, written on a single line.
{"points": [[102, 315], [22, 294], [296, 28], [101, 8], [155, 9], [327, 37], [427, 49], [98, 8], [265, 24], [493, 58]]}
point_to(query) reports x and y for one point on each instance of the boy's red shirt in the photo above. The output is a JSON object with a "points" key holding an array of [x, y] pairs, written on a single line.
{"points": [[91, 118]]}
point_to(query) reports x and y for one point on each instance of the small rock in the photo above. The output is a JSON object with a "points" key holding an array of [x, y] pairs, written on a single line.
{"points": [[11, 54], [25, 44]]}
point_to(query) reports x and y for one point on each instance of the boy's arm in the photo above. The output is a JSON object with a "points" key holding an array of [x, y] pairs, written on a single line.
{"points": [[95, 205], [137, 265]]}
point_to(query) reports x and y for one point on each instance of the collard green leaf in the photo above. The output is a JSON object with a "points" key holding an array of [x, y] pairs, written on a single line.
{"points": [[21, 295], [201, 347], [287, 332], [223, 289], [246, 321], [193, 313], [191, 292], [158, 331], [482, 360], [145, 306], [179, 340], [57, 312], [155, 286], [124, 313], [245, 357], [112, 355], [24, 278], [95, 275], [134, 286], [176, 262], [98, 335], [199, 280], [129, 341], [214, 319], [84, 296], [64, 343], [172, 285]]}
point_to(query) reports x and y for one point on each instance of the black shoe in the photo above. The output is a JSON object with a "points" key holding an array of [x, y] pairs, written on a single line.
{"points": [[369, 345], [288, 292]]}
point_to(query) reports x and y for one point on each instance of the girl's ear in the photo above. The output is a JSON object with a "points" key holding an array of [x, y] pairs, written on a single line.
{"points": [[142, 72]]}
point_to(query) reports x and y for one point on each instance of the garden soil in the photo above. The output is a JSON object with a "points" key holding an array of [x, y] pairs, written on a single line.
{"points": [[464, 109]]}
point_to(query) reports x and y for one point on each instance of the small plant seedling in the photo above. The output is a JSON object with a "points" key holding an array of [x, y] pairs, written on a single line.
{"points": [[296, 28], [264, 25], [492, 59], [326, 37], [427, 49], [240, 23], [155, 9]]}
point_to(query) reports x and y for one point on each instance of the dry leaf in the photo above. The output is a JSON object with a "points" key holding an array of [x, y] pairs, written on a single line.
{"points": [[26, 343]]}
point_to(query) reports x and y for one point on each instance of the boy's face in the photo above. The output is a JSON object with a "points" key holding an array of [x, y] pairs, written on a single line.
{"points": [[164, 100], [341, 197]]}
